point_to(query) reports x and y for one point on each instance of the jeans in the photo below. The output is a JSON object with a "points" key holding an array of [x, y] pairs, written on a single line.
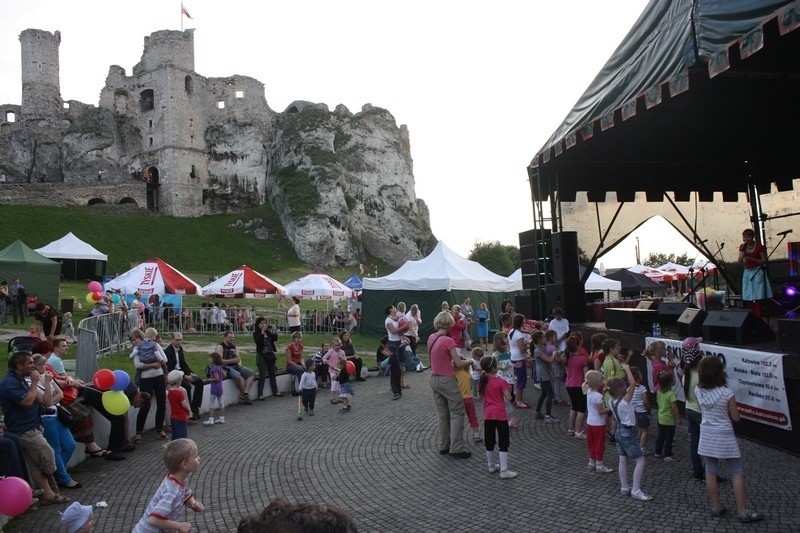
{"points": [[180, 429], [693, 419], [664, 439], [60, 439], [196, 396], [266, 366], [158, 389]]}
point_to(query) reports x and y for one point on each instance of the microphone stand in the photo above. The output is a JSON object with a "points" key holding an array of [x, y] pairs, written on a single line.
{"points": [[766, 277], [702, 281]]}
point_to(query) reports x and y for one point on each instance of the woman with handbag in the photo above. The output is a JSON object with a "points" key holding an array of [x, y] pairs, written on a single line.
{"points": [[265, 337], [82, 427], [56, 433]]}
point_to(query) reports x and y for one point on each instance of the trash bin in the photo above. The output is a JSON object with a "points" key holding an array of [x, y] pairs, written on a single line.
{"points": [[66, 305]]}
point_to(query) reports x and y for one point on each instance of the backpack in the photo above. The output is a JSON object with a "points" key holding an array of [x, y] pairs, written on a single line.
{"points": [[147, 351]]}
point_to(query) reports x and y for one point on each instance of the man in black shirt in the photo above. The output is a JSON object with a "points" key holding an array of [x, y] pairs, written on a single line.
{"points": [[176, 361]]}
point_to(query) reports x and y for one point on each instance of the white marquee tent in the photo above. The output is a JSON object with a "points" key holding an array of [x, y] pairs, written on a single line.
{"points": [[79, 259]]}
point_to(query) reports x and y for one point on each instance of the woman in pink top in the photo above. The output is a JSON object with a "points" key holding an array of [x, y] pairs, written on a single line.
{"points": [[578, 363], [446, 394]]}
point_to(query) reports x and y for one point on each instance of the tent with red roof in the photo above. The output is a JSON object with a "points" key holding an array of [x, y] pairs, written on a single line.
{"points": [[154, 276], [244, 282]]}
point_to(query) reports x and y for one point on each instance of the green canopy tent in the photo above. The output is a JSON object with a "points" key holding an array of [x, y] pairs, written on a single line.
{"points": [[441, 276], [38, 274]]}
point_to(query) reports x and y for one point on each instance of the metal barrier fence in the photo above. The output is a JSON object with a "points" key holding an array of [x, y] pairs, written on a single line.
{"points": [[102, 335]]}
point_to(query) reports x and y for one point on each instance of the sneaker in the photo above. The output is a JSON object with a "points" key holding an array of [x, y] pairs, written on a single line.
{"points": [[334, 401], [625, 492], [461, 455], [348, 407], [538, 416], [477, 438], [641, 496], [718, 512], [310, 412], [343, 410], [494, 469], [580, 435], [209, 422], [745, 517], [668, 459], [521, 405], [658, 455], [550, 420], [396, 397], [591, 467], [513, 423], [537, 386], [507, 474], [603, 469], [221, 420]]}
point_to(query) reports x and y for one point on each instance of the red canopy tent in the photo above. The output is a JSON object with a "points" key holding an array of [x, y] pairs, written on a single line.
{"points": [[154, 276]]}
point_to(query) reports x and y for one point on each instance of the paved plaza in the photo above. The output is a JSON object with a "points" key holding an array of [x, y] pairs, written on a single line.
{"points": [[380, 463]]}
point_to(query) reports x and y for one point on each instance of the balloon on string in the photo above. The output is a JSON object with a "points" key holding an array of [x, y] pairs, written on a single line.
{"points": [[116, 299], [90, 297], [121, 380], [97, 296], [104, 379], [94, 286], [17, 495], [351, 367], [115, 402]]}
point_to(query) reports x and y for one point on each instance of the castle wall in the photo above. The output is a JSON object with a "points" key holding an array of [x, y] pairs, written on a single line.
{"points": [[74, 194], [167, 47], [41, 87]]}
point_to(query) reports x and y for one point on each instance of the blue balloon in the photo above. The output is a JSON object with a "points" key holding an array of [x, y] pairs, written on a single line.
{"points": [[121, 380]]}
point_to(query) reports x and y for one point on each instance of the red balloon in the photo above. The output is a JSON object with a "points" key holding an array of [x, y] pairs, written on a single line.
{"points": [[97, 296], [351, 367], [104, 379], [17, 496]]}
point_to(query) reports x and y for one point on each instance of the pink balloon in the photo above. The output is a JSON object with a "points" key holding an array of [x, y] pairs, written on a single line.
{"points": [[17, 496], [94, 286]]}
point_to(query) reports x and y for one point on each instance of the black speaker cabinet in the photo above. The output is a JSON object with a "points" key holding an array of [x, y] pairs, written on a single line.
{"points": [[669, 312], [647, 304], [690, 322], [736, 327], [568, 296], [789, 335], [565, 257], [631, 320], [522, 304]]}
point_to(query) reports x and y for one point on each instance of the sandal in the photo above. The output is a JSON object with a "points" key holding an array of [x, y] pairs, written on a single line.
{"points": [[137, 439], [97, 453], [57, 499], [161, 434]]}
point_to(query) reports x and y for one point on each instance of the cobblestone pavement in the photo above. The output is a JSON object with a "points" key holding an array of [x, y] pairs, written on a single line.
{"points": [[380, 462]]}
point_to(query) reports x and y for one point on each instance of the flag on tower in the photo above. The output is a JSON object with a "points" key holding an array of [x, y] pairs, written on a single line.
{"points": [[184, 11]]}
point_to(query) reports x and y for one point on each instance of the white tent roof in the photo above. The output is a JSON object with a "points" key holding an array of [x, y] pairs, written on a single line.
{"points": [[71, 247], [596, 282], [443, 269]]}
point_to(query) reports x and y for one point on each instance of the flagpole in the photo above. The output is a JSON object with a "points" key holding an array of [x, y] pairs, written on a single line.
{"points": [[181, 16]]}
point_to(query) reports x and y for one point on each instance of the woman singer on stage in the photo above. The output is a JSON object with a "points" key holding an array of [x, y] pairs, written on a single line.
{"points": [[755, 286]]}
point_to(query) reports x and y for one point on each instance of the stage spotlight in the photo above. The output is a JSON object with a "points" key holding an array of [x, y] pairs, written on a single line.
{"points": [[790, 291]]}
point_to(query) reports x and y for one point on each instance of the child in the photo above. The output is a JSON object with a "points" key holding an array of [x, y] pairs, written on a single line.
{"points": [[166, 508], [178, 406], [345, 389], [336, 359], [717, 440], [216, 373], [596, 421], [69, 328], [496, 396], [475, 371], [464, 380], [543, 366], [320, 368], [668, 415], [557, 372], [626, 437], [78, 518], [505, 370], [308, 389], [641, 408]]}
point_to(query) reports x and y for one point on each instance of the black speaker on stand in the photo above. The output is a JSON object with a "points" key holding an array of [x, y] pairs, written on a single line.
{"points": [[690, 323], [570, 297], [738, 326], [566, 267]]}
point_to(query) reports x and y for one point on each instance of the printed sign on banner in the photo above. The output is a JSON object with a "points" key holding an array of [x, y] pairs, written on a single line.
{"points": [[756, 379]]}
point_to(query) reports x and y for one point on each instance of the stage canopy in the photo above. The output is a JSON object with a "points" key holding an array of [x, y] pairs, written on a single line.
{"points": [[696, 104], [154, 276], [244, 282]]}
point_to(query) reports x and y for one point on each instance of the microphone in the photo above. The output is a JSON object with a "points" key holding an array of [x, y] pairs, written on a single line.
{"points": [[784, 233], [721, 246], [703, 241]]}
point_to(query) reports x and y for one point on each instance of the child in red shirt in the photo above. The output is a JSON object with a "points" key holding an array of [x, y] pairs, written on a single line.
{"points": [[178, 406]]}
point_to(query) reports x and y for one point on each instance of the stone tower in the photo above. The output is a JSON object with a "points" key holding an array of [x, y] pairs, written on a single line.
{"points": [[41, 88], [171, 109]]}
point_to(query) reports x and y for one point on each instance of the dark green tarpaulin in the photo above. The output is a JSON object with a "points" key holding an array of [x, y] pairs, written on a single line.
{"points": [[38, 274]]}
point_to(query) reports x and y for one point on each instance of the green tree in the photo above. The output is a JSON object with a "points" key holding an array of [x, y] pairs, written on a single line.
{"points": [[499, 258], [657, 259]]}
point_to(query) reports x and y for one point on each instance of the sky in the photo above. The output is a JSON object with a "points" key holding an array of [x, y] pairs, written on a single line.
{"points": [[480, 86]]}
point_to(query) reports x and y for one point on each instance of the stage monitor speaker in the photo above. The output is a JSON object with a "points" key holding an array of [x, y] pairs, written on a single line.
{"points": [[570, 297], [522, 304], [565, 257], [631, 320], [690, 322], [789, 334], [669, 312], [736, 327], [647, 304]]}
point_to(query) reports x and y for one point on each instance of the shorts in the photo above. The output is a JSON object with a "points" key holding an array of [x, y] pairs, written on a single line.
{"points": [[335, 386], [521, 375], [242, 371], [38, 453], [346, 390], [577, 398], [735, 465], [643, 420], [628, 442], [218, 399]]}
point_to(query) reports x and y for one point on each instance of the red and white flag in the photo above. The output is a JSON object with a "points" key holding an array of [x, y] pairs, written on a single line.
{"points": [[184, 11]]}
